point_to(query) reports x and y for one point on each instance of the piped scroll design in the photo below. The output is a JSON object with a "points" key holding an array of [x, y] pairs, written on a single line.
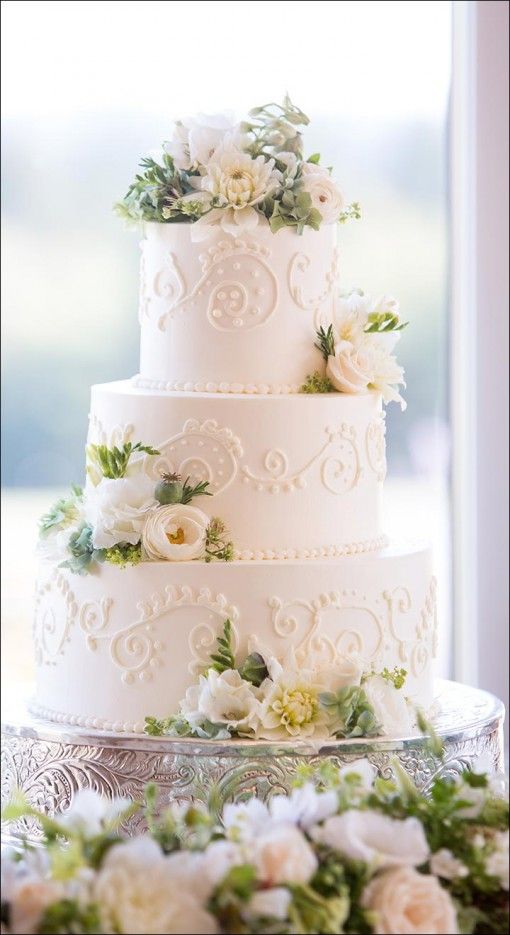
{"points": [[375, 445], [426, 632], [237, 290], [297, 279], [137, 650], [203, 451], [55, 612], [317, 630], [339, 466], [118, 435]]}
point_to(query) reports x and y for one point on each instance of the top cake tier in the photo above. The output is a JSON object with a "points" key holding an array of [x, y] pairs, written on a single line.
{"points": [[233, 314]]}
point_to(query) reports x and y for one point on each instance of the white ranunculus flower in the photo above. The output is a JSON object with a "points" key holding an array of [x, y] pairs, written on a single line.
{"points": [[269, 904], [237, 182], [196, 139], [304, 806], [282, 854], [410, 903], [91, 812], [136, 893], [175, 533], [445, 865], [390, 705], [359, 369], [375, 838], [497, 864], [325, 194], [116, 509], [222, 698]]}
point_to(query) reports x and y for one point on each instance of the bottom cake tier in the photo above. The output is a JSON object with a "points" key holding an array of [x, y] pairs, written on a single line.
{"points": [[122, 644]]}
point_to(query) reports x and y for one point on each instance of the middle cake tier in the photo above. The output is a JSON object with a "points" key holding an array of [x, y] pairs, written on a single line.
{"points": [[292, 476]]}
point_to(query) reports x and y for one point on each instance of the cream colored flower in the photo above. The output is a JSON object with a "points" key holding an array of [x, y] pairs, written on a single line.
{"points": [[282, 854], [269, 904], [136, 892], [222, 698], [375, 839], [27, 902], [410, 903], [175, 533], [90, 813], [196, 139], [116, 509], [290, 704], [325, 194], [496, 864], [444, 864], [368, 366], [390, 705]]}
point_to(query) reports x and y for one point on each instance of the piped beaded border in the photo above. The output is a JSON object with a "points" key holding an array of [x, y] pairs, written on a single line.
{"points": [[201, 386], [90, 723], [331, 551]]}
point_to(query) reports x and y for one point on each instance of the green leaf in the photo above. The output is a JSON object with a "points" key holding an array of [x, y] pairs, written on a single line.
{"points": [[199, 490], [350, 711], [113, 462], [316, 383], [70, 915], [254, 669], [224, 657], [315, 158], [325, 342], [397, 676]]}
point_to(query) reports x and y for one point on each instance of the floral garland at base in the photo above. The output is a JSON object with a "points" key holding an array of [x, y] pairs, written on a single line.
{"points": [[344, 852]]}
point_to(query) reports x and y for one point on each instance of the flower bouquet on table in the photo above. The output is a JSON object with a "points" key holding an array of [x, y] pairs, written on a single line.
{"points": [[344, 852]]}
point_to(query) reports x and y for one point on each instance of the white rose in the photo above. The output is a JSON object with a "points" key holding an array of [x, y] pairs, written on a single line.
{"points": [[364, 368], [116, 509], [269, 904], [136, 893], [325, 194], [222, 698], [375, 838], [238, 182], [444, 864], [175, 533], [496, 864], [282, 854], [91, 812], [196, 138], [410, 903], [304, 806], [390, 705]]}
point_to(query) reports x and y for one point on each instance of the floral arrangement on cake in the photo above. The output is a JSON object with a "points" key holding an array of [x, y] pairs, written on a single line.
{"points": [[343, 852], [123, 518], [357, 347], [263, 697], [219, 173]]}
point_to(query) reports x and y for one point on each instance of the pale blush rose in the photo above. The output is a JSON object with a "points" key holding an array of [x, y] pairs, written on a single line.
{"points": [[444, 864], [390, 705], [195, 139], [367, 367], [325, 194], [136, 894], [28, 901], [222, 698], [496, 864], [269, 904], [410, 903], [375, 839], [116, 509], [282, 854], [175, 533]]}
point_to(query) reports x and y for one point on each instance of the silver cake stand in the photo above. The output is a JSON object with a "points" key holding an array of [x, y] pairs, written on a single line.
{"points": [[50, 762]]}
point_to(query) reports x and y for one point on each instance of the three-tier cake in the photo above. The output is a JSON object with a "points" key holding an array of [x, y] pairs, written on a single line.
{"points": [[225, 566]]}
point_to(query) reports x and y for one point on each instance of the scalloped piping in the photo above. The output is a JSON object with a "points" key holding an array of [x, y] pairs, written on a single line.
{"points": [[201, 386], [329, 551], [90, 723]]}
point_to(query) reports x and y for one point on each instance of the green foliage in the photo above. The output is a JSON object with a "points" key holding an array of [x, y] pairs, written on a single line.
{"points": [[384, 322], [224, 657], [310, 911], [198, 490], [171, 489], [113, 462], [325, 342], [351, 212], [69, 915], [396, 675], [293, 209], [82, 553], [230, 897], [64, 512], [316, 383], [273, 128], [122, 554], [173, 726], [254, 669], [433, 740], [218, 548], [351, 712], [154, 192]]}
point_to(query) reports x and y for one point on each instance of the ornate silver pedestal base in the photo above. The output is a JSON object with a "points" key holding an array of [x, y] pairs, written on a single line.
{"points": [[50, 762]]}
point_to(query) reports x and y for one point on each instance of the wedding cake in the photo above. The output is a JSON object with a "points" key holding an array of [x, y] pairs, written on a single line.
{"points": [[224, 570]]}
